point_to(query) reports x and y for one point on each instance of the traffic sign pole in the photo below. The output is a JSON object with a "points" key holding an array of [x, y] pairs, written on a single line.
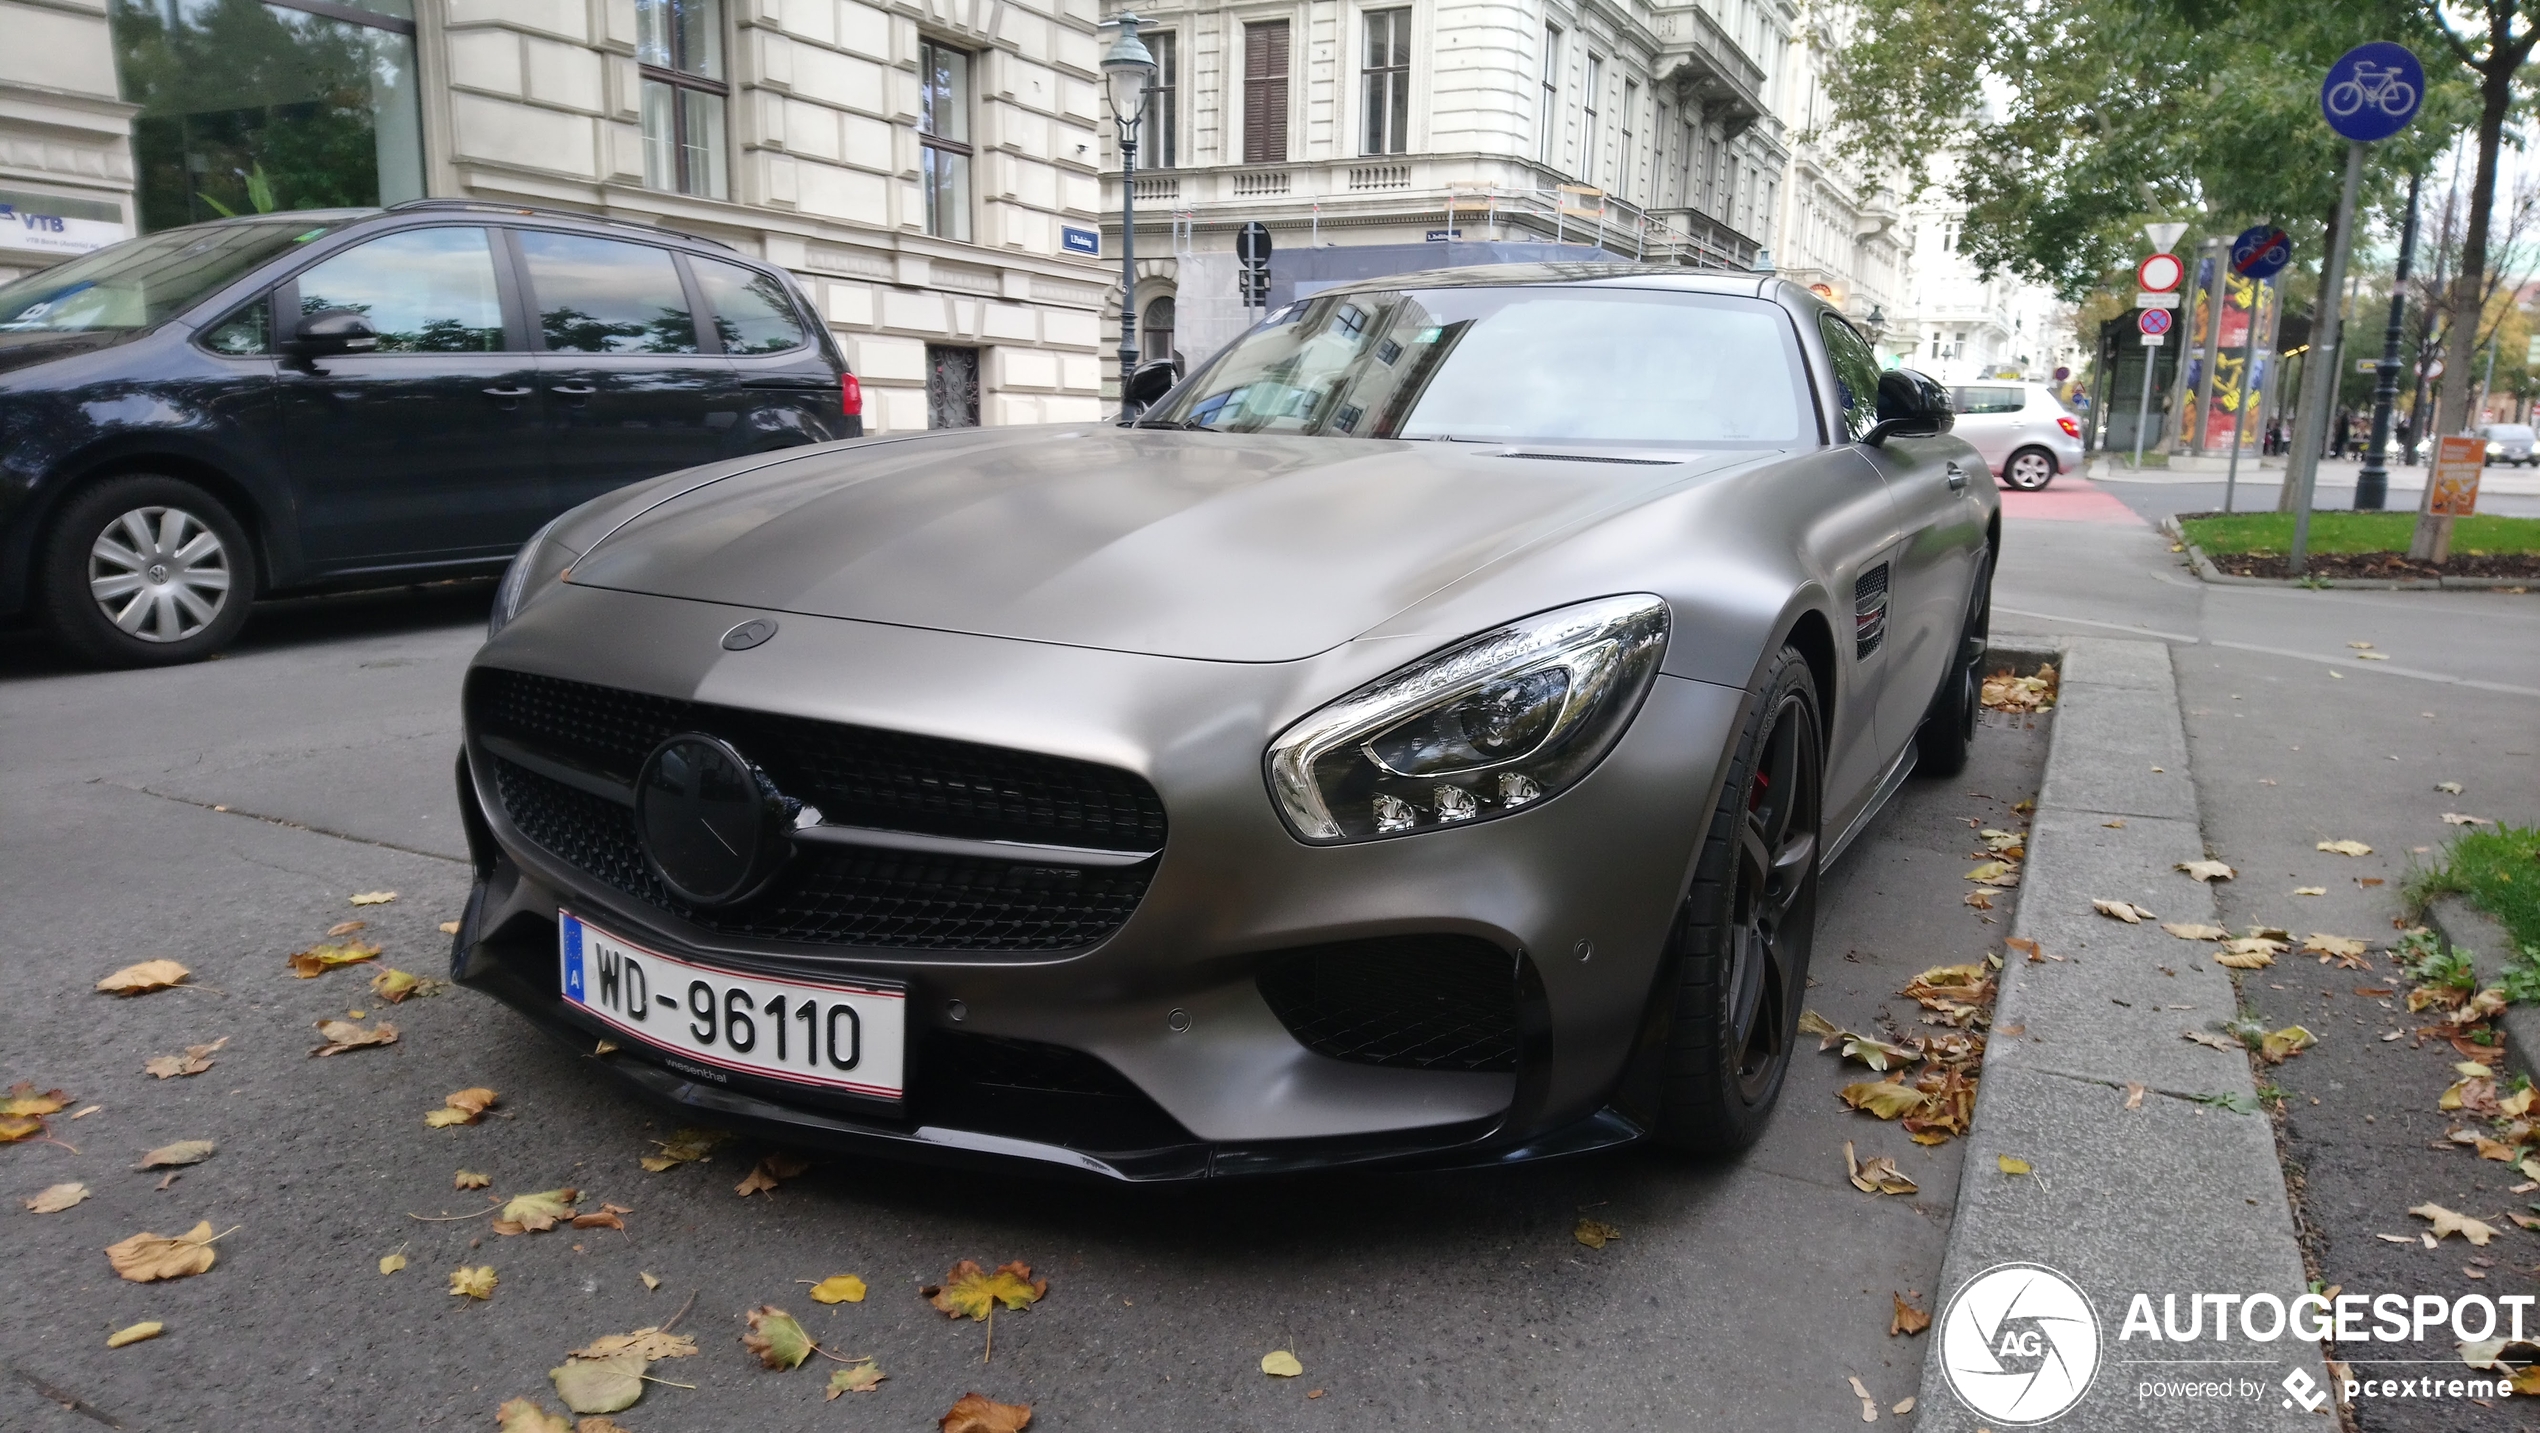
{"points": [[2319, 376], [2372, 485]]}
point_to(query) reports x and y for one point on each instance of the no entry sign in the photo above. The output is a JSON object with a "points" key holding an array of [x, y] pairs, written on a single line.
{"points": [[2160, 273]]}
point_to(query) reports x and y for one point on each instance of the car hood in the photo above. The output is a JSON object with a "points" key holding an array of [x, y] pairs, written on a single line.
{"points": [[26, 350], [1202, 545]]}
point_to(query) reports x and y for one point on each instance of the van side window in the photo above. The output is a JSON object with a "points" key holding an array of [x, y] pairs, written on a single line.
{"points": [[425, 290], [752, 312], [1856, 371], [606, 296]]}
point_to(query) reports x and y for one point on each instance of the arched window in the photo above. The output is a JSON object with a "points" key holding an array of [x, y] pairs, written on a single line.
{"points": [[1155, 332]]}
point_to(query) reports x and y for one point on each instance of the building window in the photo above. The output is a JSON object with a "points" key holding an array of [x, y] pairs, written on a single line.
{"points": [[943, 139], [1550, 117], [1385, 81], [1157, 148], [679, 53], [1266, 93], [248, 109], [952, 386], [1587, 119], [1155, 332], [1627, 171]]}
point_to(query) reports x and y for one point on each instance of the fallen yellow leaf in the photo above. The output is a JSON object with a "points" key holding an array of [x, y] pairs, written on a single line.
{"points": [[973, 1291], [141, 979], [470, 1179], [2195, 931], [2345, 848], [974, 1413], [684, 1146], [2283, 1044], [863, 1376], [649, 1344], [777, 1339], [1886, 1099], [476, 1283], [2207, 870], [2126, 911], [2310, 890], [145, 1258], [650, 1281], [519, 1415], [603, 1385], [770, 1171], [343, 1035], [1907, 1320], [184, 1151], [374, 898], [1878, 1175], [2447, 1223], [150, 1328], [391, 1263], [195, 1060], [2011, 1164], [537, 1213], [838, 1289], [54, 1198], [317, 960], [1279, 1363]]}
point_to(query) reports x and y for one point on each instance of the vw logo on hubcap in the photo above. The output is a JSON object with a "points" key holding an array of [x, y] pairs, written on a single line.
{"points": [[712, 825]]}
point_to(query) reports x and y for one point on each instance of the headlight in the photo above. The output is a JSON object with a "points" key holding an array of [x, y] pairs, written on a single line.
{"points": [[2495, 450], [538, 563], [1486, 727]]}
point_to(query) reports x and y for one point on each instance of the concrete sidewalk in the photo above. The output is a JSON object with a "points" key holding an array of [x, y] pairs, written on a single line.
{"points": [[2169, 1195]]}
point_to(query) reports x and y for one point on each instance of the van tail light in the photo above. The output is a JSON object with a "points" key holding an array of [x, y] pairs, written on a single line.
{"points": [[2071, 428], [851, 396]]}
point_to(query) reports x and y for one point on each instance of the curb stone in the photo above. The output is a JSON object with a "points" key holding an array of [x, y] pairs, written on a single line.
{"points": [[2183, 1195], [2204, 568], [2458, 923]]}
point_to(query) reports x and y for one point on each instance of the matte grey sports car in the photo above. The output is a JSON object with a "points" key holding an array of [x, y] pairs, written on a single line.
{"points": [[1417, 739]]}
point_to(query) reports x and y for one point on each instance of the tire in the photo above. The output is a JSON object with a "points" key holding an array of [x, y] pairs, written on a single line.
{"points": [[1949, 727], [2029, 469], [1740, 947], [145, 571]]}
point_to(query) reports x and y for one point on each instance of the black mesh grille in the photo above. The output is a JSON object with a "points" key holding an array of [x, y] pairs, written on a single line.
{"points": [[1034, 1091], [855, 775], [839, 895], [1417, 1002]]}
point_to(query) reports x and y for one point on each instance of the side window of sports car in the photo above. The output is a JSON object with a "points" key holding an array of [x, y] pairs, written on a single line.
{"points": [[1856, 371]]}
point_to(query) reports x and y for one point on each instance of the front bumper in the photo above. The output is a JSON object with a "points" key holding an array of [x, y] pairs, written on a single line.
{"points": [[1578, 894]]}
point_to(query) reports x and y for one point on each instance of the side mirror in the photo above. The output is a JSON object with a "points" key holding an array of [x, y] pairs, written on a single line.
{"points": [[331, 331], [1911, 405], [1151, 381]]}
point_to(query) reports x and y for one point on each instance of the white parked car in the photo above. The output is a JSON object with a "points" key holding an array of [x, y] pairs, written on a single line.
{"points": [[2023, 431]]}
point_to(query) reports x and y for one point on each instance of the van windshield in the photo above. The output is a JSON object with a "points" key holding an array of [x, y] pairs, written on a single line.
{"points": [[141, 283], [1551, 363]]}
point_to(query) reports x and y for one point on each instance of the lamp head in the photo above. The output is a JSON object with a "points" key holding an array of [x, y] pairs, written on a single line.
{"points": [[1128, 72]]}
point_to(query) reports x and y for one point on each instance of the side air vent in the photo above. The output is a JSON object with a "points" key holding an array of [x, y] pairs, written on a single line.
{"points": [[1869, 611], [1415, 1002]]}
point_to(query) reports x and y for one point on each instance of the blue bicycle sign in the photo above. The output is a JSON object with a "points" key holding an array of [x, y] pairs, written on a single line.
{"points": [[2372, 91], [2261, 252]]}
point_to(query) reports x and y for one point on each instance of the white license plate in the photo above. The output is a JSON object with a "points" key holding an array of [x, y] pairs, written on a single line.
{"points": [[844, 1035]]}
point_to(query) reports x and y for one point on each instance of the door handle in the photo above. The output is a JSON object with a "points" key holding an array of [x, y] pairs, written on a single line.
{"points": [[506, 392], [1957, 478], [574, 390]]}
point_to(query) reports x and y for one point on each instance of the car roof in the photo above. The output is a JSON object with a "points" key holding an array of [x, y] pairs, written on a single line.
{"points": [[413, 209], [1619, 275]]}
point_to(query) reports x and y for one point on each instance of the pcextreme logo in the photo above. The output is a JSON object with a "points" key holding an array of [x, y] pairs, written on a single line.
{"points": [[2020, 1344]]}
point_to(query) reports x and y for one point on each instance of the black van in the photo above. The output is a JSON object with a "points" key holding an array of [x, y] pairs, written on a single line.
{"points": [[339, 398]]}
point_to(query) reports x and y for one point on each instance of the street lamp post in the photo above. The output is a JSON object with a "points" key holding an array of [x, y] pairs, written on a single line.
{"points": [[1128, 76]]}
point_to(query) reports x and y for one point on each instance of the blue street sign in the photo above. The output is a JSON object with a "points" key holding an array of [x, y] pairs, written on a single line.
{"points": [[2153, 320], [2372, 91], [2261, 252], [1079, 241]]}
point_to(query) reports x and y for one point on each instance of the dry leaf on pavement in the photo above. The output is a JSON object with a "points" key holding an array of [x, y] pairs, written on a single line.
{"points": [[607, 1216], [195, 1060], [651, 1281], [1907, 1320], [1879, 1175], [2453, 788], [1981, 900], [770, 1171], [476, 1283], [184, 1151], [343, 1035], [684, 1146], [317, 960], [347, 927], [145, 1258], [2281, 1045], [148, 1328], [2126, 911], [1595, 1233], [470, 1179], [2188, 930], [2345, 848], [649, 1344], [972, 1413], [2347, 951], [374, 898], [2208, 1037], [461, 1107], [2013, 1164], [55, 1198], [1279, 1363], [838, 1289], [449, 927], [1886, 1099], [141, 979], [1995, 873], [1869, 1405], [395, 986], [2207, 870], [777, 1339], [973, 1291], [2447, 1223], [2310, 890], [537, 1213], [2455, 818], [23, 1108], [603, 1385], [391, 1263], [862, 1376], [519, 1415]]}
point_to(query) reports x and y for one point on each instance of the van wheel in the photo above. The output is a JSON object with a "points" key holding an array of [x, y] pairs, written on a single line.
{"points": [[2029, 469], [145, 571]]}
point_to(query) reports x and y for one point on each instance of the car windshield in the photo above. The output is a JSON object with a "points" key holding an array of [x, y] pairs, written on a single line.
{"points": [[140, 283], [2509, 432], [1558, 364]]}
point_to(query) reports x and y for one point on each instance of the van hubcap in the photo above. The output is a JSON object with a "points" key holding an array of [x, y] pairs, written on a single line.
{"points": [[159, 573]]}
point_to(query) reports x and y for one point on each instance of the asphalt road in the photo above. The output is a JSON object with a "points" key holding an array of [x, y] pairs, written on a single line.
{"points": [[2295, 741], [1741, 1296]]}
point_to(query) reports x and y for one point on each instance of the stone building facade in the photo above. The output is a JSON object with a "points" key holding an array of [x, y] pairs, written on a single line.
{"points": [[65, 156], [929, 170], [1841, 229]]}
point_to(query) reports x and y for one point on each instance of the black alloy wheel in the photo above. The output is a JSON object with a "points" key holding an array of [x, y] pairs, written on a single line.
{"points": [[1743, 935], [1941, 743]]}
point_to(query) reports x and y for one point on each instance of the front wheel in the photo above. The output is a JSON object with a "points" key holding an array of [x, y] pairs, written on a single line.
{"points": [[2029, 469], [145, 571], [1742, 936]]}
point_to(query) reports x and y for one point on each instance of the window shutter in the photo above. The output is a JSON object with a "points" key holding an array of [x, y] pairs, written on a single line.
{"points": [[1266, 93]]}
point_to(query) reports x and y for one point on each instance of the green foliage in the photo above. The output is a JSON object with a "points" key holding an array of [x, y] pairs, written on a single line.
{"points": [[2521, 979], [2073, 121], [2499, 870], [2424, 958], [2272, 532]]}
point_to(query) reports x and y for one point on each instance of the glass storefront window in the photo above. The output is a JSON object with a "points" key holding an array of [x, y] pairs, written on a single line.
{"points": [[250, 107]]}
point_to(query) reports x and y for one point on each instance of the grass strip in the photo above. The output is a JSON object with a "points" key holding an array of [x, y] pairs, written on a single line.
{"points": [[2272, 532], [2498, 869]]}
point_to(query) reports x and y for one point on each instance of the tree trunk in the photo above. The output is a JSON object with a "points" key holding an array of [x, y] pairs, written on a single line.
{"points": [[2432, 540]]}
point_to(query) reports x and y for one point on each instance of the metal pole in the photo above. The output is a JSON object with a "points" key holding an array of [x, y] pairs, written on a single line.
{"points": [[2319, 380], [2143, 412], [2248, 367], [1128, 264], [2372, 485]]}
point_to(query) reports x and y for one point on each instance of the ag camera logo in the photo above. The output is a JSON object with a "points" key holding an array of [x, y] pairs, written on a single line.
{"points": [[2019, 1344]]}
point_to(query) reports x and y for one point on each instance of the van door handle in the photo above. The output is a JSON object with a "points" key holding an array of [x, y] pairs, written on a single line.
{"points": [[1957, 478], [574, 390], [506, 392]]}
